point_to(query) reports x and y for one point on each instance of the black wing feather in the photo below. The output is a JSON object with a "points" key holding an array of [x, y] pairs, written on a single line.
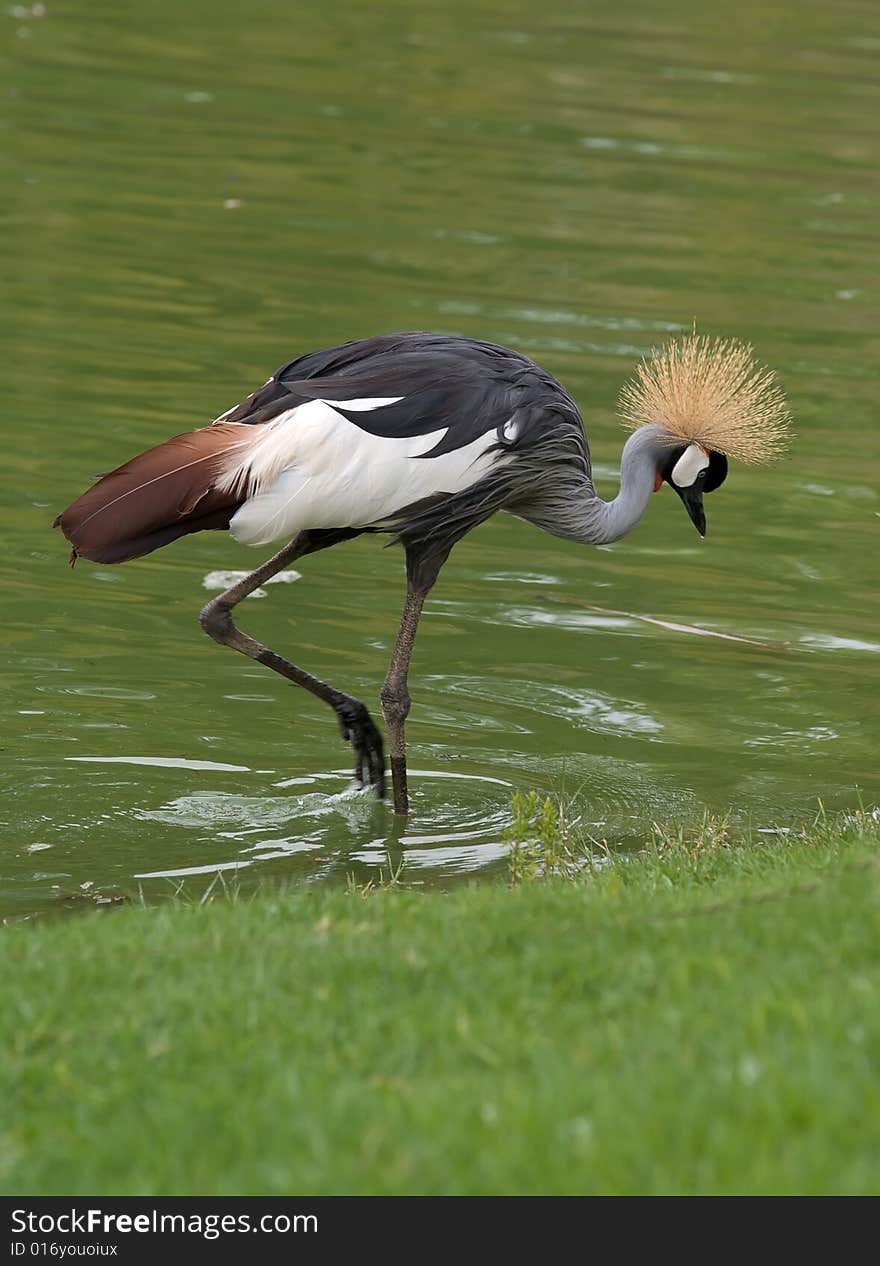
{"points": [[462, 385]]}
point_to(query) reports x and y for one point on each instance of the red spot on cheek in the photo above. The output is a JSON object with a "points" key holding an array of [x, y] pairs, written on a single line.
{"points": [[658, 481]]}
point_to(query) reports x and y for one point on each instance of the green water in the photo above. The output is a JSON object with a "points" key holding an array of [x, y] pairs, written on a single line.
{"points": [[195, 194]]}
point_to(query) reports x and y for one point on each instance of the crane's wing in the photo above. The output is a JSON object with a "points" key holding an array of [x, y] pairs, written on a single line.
{"points": [[426, 382], [357, 435]]}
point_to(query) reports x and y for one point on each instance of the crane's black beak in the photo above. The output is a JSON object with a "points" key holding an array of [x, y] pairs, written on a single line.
{"points": [[693, 502]]}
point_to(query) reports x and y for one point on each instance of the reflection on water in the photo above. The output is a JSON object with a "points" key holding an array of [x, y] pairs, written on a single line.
{"points": [[579, 183], [225, 579], [314, 820], [590, 709], [828, 642], [167, 762]]}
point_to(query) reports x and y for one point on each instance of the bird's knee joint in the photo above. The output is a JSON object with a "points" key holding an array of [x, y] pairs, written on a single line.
{"points": [[216, 619], [395, 703]]}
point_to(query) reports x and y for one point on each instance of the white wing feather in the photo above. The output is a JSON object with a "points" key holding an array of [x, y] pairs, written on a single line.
{"points": [[313, 468]]}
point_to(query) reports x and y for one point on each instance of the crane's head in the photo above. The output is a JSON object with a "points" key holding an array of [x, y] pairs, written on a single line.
{"points": [[705, 400], [692, 471]]}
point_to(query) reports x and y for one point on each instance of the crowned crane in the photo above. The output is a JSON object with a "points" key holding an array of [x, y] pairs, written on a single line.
{"points": [[422, 436]]}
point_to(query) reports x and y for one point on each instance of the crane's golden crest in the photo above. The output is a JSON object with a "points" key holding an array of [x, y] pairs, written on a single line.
{"points": [[710, 391]]}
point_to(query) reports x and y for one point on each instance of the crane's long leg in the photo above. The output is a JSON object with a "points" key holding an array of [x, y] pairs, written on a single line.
{"points": [[354, 719], [395, 695]]}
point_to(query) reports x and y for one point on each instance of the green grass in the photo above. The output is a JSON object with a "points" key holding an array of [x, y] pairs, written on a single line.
{"points": [[703, 1018]]}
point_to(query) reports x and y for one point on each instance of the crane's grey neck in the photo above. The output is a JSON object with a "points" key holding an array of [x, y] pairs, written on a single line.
{"points": [[589, 519]]}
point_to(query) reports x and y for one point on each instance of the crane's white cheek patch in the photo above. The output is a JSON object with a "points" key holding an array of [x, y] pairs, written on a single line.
{"points": [[693, 460]]}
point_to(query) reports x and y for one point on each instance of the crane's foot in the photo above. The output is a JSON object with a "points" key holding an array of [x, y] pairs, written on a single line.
{"points": [[358, 728]]}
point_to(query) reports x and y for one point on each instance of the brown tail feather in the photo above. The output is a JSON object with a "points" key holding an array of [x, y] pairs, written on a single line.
{"points": [[158, 496]]}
